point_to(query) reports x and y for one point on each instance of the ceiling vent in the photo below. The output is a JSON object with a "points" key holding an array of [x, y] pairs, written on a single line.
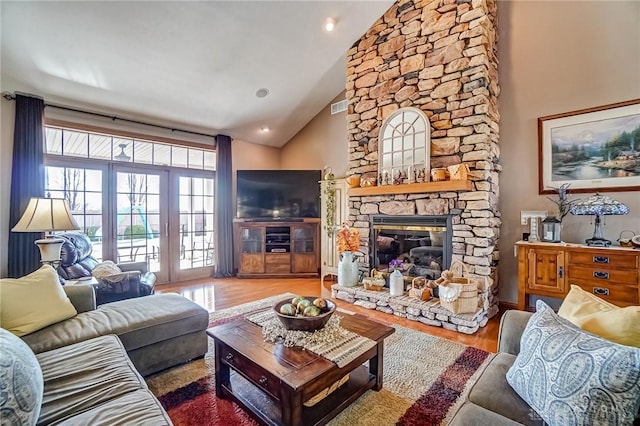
{"points": [[339, 107]]}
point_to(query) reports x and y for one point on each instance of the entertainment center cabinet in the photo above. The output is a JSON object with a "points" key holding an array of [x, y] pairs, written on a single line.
{"points": [[277, 248]]}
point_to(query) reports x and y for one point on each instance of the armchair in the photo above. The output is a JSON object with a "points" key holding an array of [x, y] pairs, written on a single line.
{"points": [[77, 262]]}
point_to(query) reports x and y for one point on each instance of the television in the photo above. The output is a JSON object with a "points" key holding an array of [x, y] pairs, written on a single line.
{"points": [[278, 194]]}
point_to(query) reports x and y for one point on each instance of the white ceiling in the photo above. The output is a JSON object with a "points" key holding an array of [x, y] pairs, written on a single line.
{"points": [[195, 64]]}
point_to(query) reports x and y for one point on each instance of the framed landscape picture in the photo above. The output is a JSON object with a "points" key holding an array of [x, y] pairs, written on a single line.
{"points": [[595, 149]]}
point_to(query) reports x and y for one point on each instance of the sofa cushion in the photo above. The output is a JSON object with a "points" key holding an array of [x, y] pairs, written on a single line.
{"points": [[492, 392], [473, 415], [21, 382], [134, 408], [85, 375], [567, 374], [602, 318], [33, 302], [137, 322]]}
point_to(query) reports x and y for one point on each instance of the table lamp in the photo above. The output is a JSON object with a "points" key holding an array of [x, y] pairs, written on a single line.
{"points": [[598, 205], [47, 215]]}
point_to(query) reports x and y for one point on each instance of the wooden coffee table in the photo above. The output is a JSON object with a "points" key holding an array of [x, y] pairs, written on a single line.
{"points": [[272, 381]]}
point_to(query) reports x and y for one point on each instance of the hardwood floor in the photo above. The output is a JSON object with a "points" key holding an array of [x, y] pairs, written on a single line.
{"points": [[215, 294]]}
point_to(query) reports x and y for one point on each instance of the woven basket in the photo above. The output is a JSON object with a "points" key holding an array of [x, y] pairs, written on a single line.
{"points": [[375, 282], [458, 171], [420, 289], [458, 294]]}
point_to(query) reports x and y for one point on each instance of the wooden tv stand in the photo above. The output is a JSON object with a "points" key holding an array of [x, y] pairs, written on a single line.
{"points": [[277, 248]]}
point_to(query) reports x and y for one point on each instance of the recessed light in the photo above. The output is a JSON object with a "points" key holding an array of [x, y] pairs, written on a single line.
{"points": [[265, 129], [329, 24], [261, 93]]}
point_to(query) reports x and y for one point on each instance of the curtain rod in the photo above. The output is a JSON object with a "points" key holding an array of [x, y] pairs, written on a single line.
{"points": [[11, 97]]}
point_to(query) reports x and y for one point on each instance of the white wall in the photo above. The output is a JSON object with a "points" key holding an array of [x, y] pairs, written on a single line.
{"points": [[322, 142], [558, 57]]}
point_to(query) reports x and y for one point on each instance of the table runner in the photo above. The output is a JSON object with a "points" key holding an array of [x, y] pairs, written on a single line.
{"points": [[332, 342]]}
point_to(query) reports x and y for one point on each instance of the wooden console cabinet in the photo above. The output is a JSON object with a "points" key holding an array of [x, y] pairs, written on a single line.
{"points": [[548, 269], [277, 249]]}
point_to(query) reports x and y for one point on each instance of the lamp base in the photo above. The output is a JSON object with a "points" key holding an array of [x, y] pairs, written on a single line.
{"points": [[50, 248], [598, 242]]}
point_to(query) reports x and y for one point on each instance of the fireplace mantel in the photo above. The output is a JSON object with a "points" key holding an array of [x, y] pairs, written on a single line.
{"points": [[412, 188]]}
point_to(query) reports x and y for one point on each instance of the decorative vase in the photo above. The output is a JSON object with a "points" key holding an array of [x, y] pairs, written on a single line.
{"points": [[347, 270], [396, 283]]}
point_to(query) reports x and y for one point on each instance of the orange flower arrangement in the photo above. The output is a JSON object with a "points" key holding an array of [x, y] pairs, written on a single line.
{"points": [[348, 239]]}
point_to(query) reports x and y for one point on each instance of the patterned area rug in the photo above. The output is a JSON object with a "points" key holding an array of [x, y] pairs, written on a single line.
{"points": [[426, 379]]}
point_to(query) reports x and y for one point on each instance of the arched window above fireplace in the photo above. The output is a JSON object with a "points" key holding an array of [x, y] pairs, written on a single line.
{"points": [[404, 147]]}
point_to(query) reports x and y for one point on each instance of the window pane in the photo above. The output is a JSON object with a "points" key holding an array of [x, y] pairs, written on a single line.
{"points": [[93, 180], [386, 145], [178, 156], [100, 147], [209, 160], [143, 152], [408, 142], [161, 154], [397, 144], [122, 149], [54, 178], [386, 160], [53, 140], [195, 159], [75, 144]]}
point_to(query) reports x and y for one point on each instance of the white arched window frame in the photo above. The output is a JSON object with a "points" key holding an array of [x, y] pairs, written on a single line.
{"points": [[404, 147]]}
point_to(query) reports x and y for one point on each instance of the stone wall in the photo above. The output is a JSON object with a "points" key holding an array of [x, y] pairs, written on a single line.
{"points": [[439, 56]]}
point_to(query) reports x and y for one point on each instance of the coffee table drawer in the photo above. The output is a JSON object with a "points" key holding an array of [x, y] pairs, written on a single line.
{"points": [[256, 375]]}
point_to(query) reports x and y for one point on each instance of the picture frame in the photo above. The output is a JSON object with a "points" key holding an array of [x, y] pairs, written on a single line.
{"points": [[593, 150]]}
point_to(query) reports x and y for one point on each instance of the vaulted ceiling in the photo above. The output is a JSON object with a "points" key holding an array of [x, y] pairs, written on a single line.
{"points": [[196, 64]]}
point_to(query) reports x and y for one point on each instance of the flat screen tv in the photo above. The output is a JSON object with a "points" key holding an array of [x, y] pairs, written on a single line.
{"points": [[278, 194]]}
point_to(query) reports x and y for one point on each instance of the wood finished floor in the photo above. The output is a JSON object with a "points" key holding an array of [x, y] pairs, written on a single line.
{"points": [[215, 294]]}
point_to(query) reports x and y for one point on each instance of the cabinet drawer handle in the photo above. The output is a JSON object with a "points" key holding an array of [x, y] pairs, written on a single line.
{"points": [[560, 271], [601, 275], [229, 357], [600, 259], [601, 291], [262, 381]]}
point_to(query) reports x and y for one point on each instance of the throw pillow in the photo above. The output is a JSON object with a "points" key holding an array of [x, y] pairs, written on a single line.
{"points": [[571, 377], [33, 302], [22, 383], [105, 269], [597, 316]]}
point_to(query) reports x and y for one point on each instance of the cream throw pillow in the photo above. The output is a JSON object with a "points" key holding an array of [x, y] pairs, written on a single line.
{"points": [[105, 269], [33, 302], [597, 316]]}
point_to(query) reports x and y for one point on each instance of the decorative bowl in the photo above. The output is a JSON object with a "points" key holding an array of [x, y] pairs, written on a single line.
{"points": [[305, 323]]}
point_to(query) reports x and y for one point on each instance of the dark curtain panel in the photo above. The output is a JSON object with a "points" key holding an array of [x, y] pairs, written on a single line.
{"points": [[27, 180], [224, 208]]}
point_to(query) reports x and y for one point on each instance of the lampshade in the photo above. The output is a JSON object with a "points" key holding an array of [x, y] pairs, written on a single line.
{"points": [[598, 205], [45, 215]]}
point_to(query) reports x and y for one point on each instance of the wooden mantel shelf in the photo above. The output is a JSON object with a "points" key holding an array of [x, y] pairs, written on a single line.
{"points": [[412, 188]]}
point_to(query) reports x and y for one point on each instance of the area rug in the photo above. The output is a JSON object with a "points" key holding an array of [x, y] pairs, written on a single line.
{"points": [[426, 379]]}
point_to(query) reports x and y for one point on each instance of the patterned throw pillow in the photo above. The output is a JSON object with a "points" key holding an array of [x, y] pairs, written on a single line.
{"points": [[571, 377], [22, 383]]}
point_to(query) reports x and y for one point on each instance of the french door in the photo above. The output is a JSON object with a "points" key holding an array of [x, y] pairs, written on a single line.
{"points": [[140, 225], [167, 219], [161, 216]]}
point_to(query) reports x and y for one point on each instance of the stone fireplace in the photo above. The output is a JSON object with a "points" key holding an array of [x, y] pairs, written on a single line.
{"points": [[438, 56]]}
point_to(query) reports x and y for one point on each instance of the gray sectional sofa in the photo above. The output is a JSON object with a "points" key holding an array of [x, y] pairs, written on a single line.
{"points": [[492, 401], [92, 364]]}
